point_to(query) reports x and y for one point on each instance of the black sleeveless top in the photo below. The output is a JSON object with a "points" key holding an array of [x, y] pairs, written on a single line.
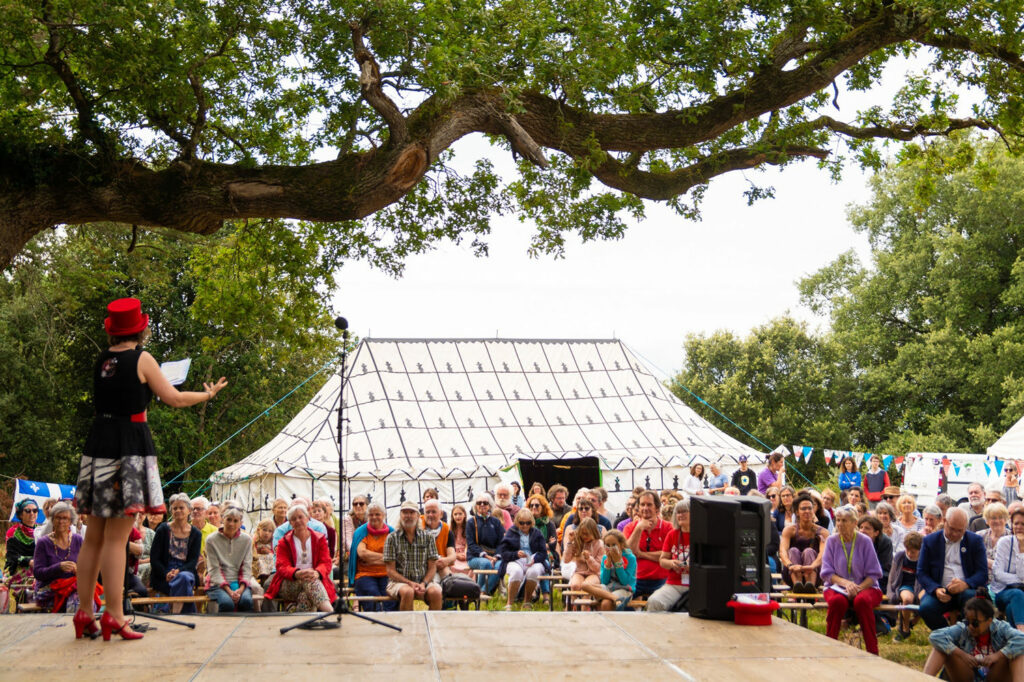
{"points": [[116, 387], [117, 395]]}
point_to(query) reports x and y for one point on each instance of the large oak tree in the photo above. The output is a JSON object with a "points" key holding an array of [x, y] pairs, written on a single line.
{"points": [[188, 113]]}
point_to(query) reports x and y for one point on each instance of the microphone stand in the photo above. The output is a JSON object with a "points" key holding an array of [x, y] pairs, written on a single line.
{"points": [[320, 622]]}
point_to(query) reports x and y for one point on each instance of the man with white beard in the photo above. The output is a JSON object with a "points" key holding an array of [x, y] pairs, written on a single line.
{"points": [[410, 557]]}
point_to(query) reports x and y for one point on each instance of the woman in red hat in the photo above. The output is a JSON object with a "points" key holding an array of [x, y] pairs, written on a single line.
{"points": [[118, 474]]}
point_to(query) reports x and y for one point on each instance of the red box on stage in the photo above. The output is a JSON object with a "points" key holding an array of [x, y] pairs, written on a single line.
{"points": [[746, 613]]}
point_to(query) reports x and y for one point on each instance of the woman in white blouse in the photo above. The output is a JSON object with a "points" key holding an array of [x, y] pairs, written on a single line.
{"points": [[694, 483], [1008, 572]]}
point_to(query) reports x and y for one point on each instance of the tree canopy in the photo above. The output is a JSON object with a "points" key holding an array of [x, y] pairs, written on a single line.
{"points": [[248, 303], [185, 114], [925, 346]]}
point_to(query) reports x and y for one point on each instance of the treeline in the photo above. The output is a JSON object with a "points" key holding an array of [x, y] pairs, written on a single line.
{"points": [[250, 303], [924, 348]]}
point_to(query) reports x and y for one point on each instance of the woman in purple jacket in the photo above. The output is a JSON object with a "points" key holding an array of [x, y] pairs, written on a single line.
{"points": [[850, 572]]}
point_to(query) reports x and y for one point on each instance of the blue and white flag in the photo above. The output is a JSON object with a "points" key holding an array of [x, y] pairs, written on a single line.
{"points": [[40, 492]]}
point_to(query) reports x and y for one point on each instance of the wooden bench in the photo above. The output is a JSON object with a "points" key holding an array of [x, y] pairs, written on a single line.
{"points": [[30, 607]]}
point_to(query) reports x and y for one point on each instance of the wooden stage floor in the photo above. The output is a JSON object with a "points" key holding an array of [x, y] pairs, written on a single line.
{"points": [[467, 646]]}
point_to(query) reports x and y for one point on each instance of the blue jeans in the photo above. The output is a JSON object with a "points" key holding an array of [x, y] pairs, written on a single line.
{"points": [[487, 583], [227, 605], [183, 585], [931, 609], [647, 587], [370, 586], [1011, 602]]}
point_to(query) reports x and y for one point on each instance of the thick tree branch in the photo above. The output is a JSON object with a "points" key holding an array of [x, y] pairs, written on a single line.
{"points": [[948, 40], [903, 132], [87, 123], [521, 141], [663, 186], [370, 87]]}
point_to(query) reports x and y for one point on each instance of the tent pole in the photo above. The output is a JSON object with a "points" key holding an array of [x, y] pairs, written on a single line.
{"points": [[340, 605]]}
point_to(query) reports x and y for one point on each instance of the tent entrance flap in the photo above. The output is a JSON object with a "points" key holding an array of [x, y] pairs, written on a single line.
{"points": [[580, 472]]}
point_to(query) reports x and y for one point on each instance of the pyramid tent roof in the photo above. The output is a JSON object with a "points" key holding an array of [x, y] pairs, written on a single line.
{"points": [[1011, 444]]}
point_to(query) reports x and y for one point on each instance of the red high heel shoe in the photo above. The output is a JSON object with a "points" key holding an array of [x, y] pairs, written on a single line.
{"points": [[85, 625], [110, 626]]}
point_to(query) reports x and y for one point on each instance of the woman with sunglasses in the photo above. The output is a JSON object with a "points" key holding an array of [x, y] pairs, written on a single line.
{"points": [[483, 535], [21, 546], [349, 522], [977, 646], [524, 557], [538, 506]]}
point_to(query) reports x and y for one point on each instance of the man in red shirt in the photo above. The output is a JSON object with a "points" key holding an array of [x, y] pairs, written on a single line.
{"points": [[646, 537]]}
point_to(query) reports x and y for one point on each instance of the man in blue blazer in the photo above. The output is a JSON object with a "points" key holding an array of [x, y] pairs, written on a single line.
{"points": [[951, 568]]}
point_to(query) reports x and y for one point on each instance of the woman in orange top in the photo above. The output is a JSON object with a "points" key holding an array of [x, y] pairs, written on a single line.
{"points": [[371, 574]]}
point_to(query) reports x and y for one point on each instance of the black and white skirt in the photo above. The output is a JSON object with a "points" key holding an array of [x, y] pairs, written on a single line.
{"points": [[118, 474]]}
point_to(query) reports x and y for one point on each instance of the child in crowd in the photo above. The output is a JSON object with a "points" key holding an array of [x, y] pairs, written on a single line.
{"points": [[263, 550], [618, 574], [903, 586]]}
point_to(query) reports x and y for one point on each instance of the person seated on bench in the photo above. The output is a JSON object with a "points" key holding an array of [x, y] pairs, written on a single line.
{"points": [[904, 587], [675, 558], [55, 563], [646, 537], [229, 564], [366, 570], [1008, 573], [349, 522], [483, 534], [951, 568], [311, 522], [618, 574], [977, 645], [21, 547], [410, 556], [175, 554], [304, 565], [583, 553], [443, 538], [524, 557], [850, 571], [800, 548]]}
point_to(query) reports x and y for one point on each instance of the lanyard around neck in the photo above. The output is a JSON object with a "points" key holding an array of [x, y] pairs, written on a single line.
{"points": [[849, 555]]}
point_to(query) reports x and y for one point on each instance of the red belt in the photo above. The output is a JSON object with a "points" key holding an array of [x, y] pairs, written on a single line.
{"points": [[138, 417]]}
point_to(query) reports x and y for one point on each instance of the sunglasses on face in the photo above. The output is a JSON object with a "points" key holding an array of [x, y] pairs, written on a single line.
{"points": [[358, 504], [992, 499], [772, 497], [534, 506], [483, 504], [29, 511], [525, 525]]}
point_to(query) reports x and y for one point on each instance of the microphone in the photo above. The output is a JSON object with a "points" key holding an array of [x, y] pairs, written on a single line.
{"points": [[341, 323]]}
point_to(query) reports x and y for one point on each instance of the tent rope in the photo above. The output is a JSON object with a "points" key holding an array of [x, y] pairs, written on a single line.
{"points": [[250, 423]]}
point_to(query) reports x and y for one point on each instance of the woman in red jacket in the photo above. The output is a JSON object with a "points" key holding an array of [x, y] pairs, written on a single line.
{"points": [[303, 566]]}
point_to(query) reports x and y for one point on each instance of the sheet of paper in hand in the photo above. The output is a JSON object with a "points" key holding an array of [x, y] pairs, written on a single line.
{"points": [[176, 371]]}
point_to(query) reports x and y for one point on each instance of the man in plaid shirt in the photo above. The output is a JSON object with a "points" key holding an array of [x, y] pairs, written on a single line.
{"points": [[410, 555]]}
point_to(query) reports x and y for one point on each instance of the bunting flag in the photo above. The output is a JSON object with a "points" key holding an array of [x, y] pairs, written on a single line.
{"points": [[988, 469], [1020, 466], [956, 468], [999, 467], [901, 463], [886, 461], [945, 465], [858, 458]]}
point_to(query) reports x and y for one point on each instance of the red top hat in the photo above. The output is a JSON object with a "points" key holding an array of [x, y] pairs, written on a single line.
{"points": [[126, 317]]}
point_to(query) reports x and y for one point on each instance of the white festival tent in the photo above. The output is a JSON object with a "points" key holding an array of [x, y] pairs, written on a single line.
{"points": [[1011, 444], [461, 415]]}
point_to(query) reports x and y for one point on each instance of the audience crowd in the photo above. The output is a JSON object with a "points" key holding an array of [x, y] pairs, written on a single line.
{"points": [[963, 566]]}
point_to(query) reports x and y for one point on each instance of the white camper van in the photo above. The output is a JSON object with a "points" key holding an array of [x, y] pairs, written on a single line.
{"points": [[925, 479]]}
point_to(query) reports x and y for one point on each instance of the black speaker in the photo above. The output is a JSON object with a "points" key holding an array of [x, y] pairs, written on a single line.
{"points": [[728, 551]]}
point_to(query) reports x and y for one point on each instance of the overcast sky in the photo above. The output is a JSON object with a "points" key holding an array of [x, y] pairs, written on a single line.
{"points": [[667, 278]]}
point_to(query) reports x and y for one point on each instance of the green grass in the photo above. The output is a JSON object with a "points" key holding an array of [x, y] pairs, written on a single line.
{"points": [[910, 653]]}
